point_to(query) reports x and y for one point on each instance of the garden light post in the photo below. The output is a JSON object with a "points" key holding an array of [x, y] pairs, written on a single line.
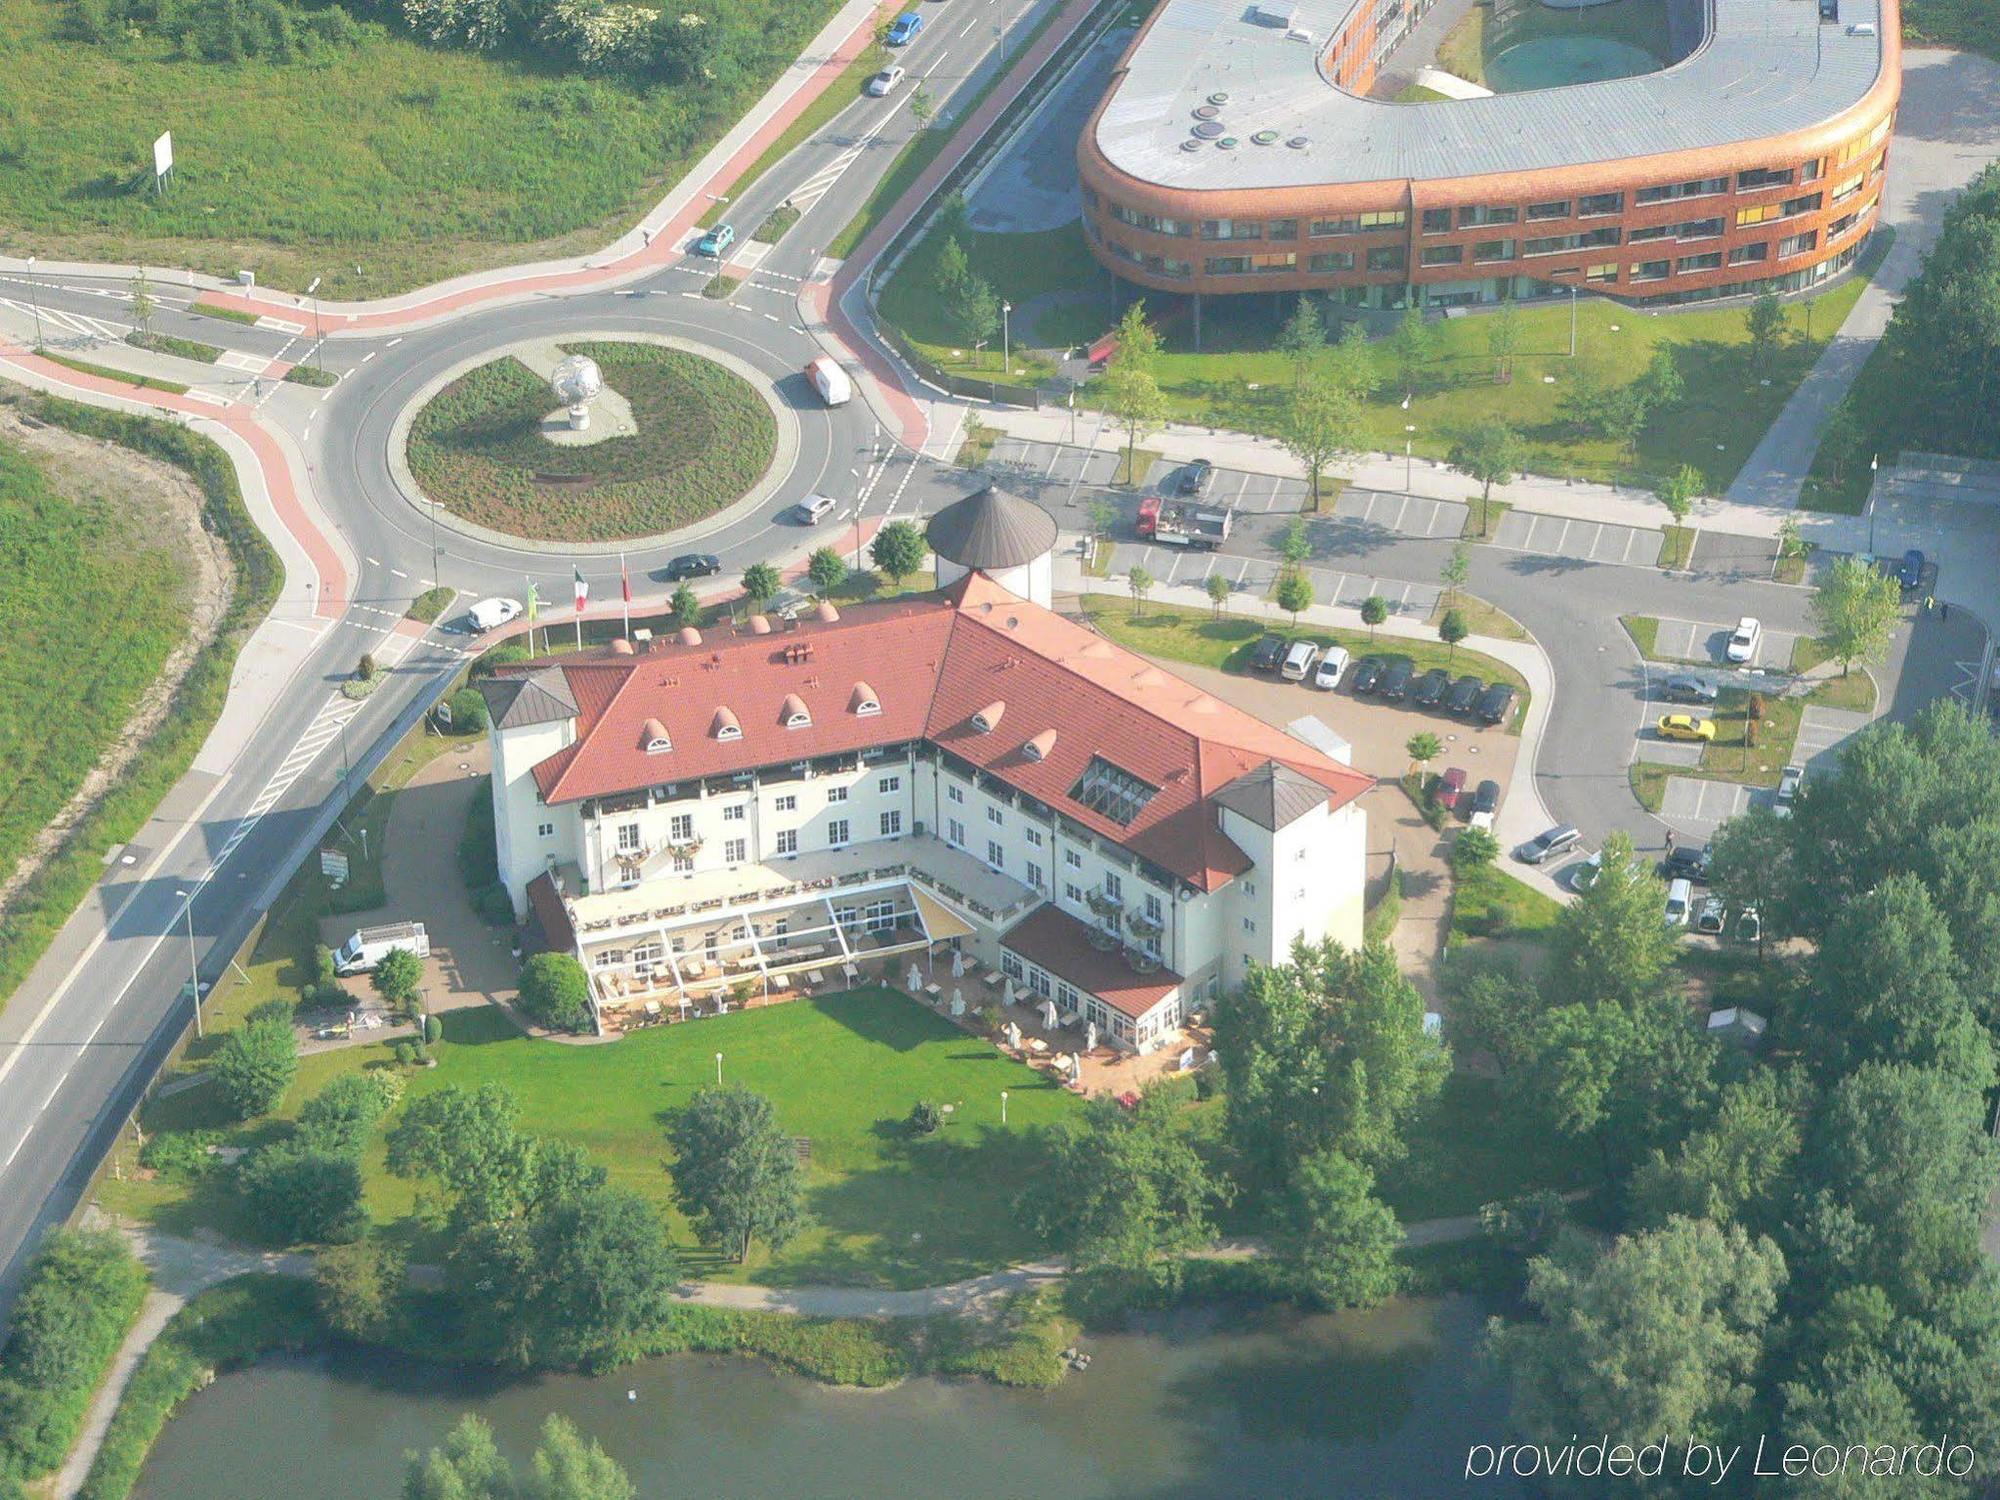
{"points": [[35, 297], [1572, 320], [1006, 339], [1409, 441], [1874, 461], [319, 331], [194, 973], [1003, 1106], [718, 1070]]}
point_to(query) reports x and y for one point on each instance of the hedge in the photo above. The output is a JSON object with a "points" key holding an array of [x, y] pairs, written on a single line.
{"points": [[225, 1327], [46, 900], [79, 1299]]}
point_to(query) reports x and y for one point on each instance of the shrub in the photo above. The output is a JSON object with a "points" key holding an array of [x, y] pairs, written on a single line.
{"points": [[428, 605], [337, 1120], [358, 1285], [405, 1052], [255, 1065], [468, 711], [494, 905], [183, 1155], [1473, 848], [556, 991], [297, 1193], [925, 1118], [433, 1030], [503, 655], [366, 668], [478, 852], [399, 977], [79, 1297], [313, 374], [321, 968]]}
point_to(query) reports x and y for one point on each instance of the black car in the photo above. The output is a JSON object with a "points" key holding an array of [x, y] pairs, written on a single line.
{"points": [[693, 565], [1195, 478], [1431, 688], [1910, 574], [1269, 654], [1496, 703], [1689, 690], [1395, 681], [1686, 862], [1367, 673], [1464, 695], [1487, 798]]}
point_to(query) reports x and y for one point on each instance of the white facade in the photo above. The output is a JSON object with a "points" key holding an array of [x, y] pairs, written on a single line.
{"points": [[1034, 580]]}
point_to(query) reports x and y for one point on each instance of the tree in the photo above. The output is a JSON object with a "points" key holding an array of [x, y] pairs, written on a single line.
{"points": [[1350, 365], [1296, 545], [1140, 582], [603, 1272], [735, 1171], [1734, 1165], [1409, 347], [358, 1285], [1374, 610], [1339, 1236], [1503, 337], [1131, 389], [566, 1466], [827, 569], [556, 992], [1294, 593], [469, 1466], [1303, 338], [1423, 747], [1659, 1336], [1121, 1189], [1679, 490], [1764, 323], [1452, 629], [1750, 864], [1489, 453], [1610, 944], [341, 1117], [898, 550], [976, 310], [1218, 590], [144, 304], [468, 712], [1473, 848], [1457, 568], [1321, 421], [761, 583], [297, 1194], [951, 270], [490, 1172], [922, 106], [1662, 385], [685, 607], [399, 978], [255, 1065], [1855, 610]]}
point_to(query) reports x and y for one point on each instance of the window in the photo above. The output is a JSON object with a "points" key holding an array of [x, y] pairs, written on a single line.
{"points": [[954, 793], [1113, 886], [1559, 209], [954, 832], [1073, 859], [995, 816], [1034, 875], [1072, 892], [1386, 258], [1556, 244], [1112, 792], [1491, 250], [1331, 260], [1701, 187], [1443, 255], [1470, 217], [1066, 994], [1690, 263], [836, 833], [787, 803], [1847, 190], [1393, 218], [1763, 177], [1651, 270], [683, 864], [1038, 981], [733, 813], [1249, 924], [1011, 966], [1249, 887], [1287, 261], [628, 837], [1844, 223], [1284, 229], [788, 841], [996, 855], [836, 794], [1154, 909], [1763, 213], [1231, 229], [1596, 205], [1798, 244], [1151, 223], [1805, 203], [892, 824], [545, 830], [1691, 229], [1744, 255], [889, 784], [1437, 221], [735, 851], [1813, 170], [1601, 272], [1226, 265], [1034, 837], [680, 827]]}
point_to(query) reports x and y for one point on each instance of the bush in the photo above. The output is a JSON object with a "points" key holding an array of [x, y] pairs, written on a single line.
{"points": [[468, 711], [433, 1031], [366, 668], [1473, 848], [313, 374], [428, 605], [338, 1119], [925, 1118], [405, 1052], [255, 1065], [321, 968], [182, 1155], [506, 654], [80, 1296], [556, 992], [358, 1285], [399, 977], [494, 905], [299, 1194]]}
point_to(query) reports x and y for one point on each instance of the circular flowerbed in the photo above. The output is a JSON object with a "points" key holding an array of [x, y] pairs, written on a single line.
{"points": [[704, 438]]}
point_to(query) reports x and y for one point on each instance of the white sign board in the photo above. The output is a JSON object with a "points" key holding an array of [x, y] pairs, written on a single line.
{"points": [[163, 154], [333, 865]]}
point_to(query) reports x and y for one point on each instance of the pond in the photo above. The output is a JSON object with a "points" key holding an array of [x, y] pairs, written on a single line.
{"points": [[1198, 1403], [1551, 61]]}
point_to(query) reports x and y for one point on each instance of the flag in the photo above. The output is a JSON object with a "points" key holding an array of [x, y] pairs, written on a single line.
{"points": [[582, 588]]}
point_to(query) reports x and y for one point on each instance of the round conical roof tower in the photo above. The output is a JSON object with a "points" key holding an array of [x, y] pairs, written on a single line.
{"points": [[1009, 539]]}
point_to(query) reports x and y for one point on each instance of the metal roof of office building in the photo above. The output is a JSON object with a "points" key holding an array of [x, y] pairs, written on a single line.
{"points": [[1765, 68]]}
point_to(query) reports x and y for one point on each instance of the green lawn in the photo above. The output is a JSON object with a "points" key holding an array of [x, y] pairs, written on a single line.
{"points": [[704, 438], [844, 1072], [1193, 635], [1492, 28], [1487, 902]]}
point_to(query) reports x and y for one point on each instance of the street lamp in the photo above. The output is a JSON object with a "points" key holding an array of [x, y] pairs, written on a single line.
{"points": [[35, 296], [1003, 1106], [319, 333], [194, 973], [1006, 339], [1874, 460], [718, 1070], [1409, 438]]}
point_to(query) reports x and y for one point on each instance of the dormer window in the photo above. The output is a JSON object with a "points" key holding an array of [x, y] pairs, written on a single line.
{"points": [[1039, 747], [988, 718], [724, 726], [794, 714], [653, 738], [863, 703]]}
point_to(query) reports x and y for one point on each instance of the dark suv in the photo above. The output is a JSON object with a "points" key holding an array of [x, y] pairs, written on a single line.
{"points": [[1686, 862], [1686, 689], [1269, 654], [1395, 681], [1464, 695], [1196, 476], [1367, 673], [1496, 703], [1431, 688]]}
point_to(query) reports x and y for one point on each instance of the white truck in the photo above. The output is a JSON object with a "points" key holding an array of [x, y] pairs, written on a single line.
{"points": [[370, 945], [834, 388]]}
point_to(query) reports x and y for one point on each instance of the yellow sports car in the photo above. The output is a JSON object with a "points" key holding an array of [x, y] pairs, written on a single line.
{"points": [[1686, 727]]}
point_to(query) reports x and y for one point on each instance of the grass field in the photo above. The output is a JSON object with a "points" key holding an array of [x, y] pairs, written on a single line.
{"points": [[1192, 635], [378, 166], [1020, 268], [844, 1071], [704, 438], [1487, 902]]}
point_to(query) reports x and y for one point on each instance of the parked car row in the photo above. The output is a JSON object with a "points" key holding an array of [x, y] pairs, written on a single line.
{"points": [[1391, 679]]}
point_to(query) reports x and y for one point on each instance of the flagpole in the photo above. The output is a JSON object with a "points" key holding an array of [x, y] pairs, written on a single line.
{"points": [[625, 587]]}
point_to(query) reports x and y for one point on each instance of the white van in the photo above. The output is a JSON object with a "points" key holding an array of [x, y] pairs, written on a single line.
{"points": [[370, 945], [1680, 897], [1299, 661]]}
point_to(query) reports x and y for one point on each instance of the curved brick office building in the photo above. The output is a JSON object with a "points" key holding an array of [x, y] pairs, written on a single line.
{"points": [[1235, 152]]}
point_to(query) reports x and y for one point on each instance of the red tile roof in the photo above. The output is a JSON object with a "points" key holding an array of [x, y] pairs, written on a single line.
{"points": [[1058, 942], [933, 663]]}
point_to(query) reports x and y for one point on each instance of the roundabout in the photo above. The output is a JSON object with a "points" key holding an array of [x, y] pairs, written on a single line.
{"points": [[666, 434]]}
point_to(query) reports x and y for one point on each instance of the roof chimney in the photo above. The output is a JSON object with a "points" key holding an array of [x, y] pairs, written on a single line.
{"points": [[827, 613], [621, 647]]}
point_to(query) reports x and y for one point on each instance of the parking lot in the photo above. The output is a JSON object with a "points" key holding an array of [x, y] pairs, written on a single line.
{"points": [[1255, 576], [1708, 641], [1719, 552], [1695, 807], [1585, 541], [1406, 515]]}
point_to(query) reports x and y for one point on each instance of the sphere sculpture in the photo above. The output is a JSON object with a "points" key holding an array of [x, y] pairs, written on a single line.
{"points": [[577, 382]]}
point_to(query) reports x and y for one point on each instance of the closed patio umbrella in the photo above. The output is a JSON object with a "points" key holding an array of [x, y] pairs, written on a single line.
{"points": [[1007, 992], [1090, 1037], [916, 979], [957, 1001], [957, 964], [1012, 1033], [1049, 1015]]}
